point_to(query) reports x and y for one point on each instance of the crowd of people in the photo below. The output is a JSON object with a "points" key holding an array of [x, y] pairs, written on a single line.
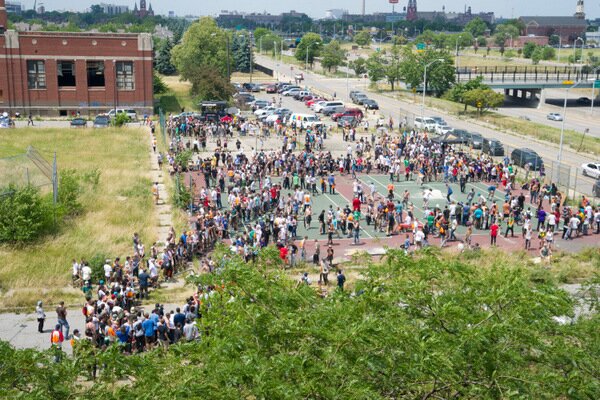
{"points": [[252, 199]]}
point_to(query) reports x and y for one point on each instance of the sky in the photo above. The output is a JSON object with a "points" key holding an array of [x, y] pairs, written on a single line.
{"points": [[317, 8]]}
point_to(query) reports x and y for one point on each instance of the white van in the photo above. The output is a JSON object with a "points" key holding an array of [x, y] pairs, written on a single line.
{"points": [[330, 107], [304, 120], [425, 123]]}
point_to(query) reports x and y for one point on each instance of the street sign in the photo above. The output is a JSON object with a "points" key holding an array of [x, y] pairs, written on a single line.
{"points": [[420, 46], [479, 104], [597, 83], [568, 82]]}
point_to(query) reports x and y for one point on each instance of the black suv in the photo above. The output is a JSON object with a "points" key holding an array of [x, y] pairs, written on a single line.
{"points": [[522, 157]]}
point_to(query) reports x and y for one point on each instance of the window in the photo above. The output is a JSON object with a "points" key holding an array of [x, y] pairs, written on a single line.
{"points": [[66, 73], [95, 73], [36, 74], [125, 78]]}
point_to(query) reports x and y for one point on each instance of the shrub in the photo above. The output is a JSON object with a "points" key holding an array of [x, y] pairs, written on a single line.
{"points": [[97, 265], [182, 159], [121, 119], [24, 214], [69, 190]]}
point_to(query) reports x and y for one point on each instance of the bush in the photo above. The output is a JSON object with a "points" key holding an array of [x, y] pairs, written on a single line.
{"points": [[182, 197], [97, 265], [121, 119], [69, 190], [24, 214], [182, 159]]}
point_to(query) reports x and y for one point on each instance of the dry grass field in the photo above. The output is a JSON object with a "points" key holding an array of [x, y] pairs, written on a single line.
{"points": [[119, 205]]}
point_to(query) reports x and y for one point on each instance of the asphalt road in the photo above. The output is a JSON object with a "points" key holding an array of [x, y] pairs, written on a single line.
{"points": [[400, 108]]}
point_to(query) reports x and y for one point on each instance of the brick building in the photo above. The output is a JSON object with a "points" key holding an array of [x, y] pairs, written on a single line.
{"points": [[567, 28], [60, 73]]}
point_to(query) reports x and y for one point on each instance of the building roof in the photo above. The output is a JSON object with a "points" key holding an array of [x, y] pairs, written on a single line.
{"points": [[554, 21]]}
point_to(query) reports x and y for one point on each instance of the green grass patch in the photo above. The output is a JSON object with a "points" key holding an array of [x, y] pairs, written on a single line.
{"points": [[177, 96], [118, 205]]}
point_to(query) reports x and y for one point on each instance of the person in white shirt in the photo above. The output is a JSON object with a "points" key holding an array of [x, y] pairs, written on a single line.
{"points": [[107, 270], [86, 273], [76, 271]]}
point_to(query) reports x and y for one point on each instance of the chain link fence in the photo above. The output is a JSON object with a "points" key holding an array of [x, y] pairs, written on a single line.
{"points": [[29, 169]]}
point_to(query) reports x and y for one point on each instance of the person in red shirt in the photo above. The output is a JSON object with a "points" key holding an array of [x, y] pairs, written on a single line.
{"points": [[283, 252], [356, 204], [494, 233], [56, 341]]}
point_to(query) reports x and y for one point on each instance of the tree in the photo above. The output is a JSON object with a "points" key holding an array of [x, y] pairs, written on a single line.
{"points": [[416, 327], [311, 43], [362, 38], [164, 66], [481, 41], [210, 84], [376, 67], [476, 27], [158, 85], [549, 53], [241, 50], [359, 66], [554, 40], [399, 40], [537, 55], [528, 49], [202, 44], [483, 99], [271, 42], [393, 69], [261, 32], [332, 55], [440, 75], [505, 32]]}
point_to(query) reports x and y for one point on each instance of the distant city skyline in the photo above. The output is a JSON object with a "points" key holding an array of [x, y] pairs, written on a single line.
{"points": [[317, 8]]}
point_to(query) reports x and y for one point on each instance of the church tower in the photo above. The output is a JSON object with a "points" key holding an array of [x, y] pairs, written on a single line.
{"points": [[579, 13], [411, 10]]}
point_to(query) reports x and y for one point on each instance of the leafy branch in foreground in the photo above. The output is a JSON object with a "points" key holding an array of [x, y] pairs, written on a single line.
{"points": [[415, 327]]}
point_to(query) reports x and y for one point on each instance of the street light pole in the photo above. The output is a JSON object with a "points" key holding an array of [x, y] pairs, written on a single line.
{"points": [[425, 84], [115, 99], [457, 55], [594, 75], [307, 51], [562, 128]]}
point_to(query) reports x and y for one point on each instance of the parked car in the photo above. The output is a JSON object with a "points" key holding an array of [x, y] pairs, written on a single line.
{"points": [[78, 123], [310, 103], [271, 89], [318, 107], [584, 101], [360, 98], [524, 156], [130, 113], [285, 88], [251, 87], [258, 104], [441, 127], [102, 121], [353, 93], [305, 121], [492, 147], [554, 117], [352, 112], [347, 121], [299, 95], [370, 104], [462, 135], [596, 189], [264, 110], [291, 92], [425, 123], [331, 107], [591, 169], [475, 140]]}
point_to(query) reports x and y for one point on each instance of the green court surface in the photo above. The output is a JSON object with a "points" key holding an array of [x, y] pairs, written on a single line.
{"points": [[439, 193], [324, 201]]}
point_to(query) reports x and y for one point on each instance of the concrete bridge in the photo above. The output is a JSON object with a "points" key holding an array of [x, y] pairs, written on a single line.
{"points": [[529, 82]]}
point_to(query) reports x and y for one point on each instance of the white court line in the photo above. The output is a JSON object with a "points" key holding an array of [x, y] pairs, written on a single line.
{"points": [[337, 205]]}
